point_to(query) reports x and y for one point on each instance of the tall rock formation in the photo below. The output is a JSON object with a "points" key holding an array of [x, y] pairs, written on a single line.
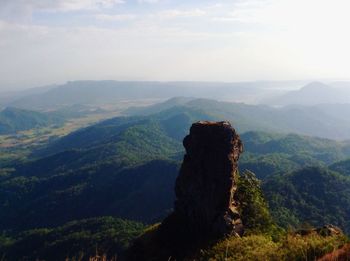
{"points": [[205, 208], [205, 188]]}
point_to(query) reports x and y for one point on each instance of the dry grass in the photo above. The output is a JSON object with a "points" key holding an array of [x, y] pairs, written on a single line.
{"points": [[261, 247], [341, 254]]}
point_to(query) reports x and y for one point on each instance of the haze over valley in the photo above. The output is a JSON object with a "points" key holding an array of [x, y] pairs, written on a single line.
{"points": [[174, 130]]}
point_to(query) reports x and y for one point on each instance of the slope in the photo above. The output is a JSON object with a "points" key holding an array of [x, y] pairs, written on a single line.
{"points": [[312, 94], [126, 167], [314, 195], [328, 121], [13, 120], [81, 239]]}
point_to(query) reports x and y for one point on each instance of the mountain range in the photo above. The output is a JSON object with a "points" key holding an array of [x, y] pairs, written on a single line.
{"points": [[98, 93], [126, 166], [109, 92], [327, 120], [63, 192]]}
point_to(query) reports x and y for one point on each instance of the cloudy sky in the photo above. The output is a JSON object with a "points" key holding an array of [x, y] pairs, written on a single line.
{"points": [[53, 41]]}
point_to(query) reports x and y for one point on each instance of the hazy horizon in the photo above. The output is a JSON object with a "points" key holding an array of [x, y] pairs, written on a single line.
{"points": [[174, 130], [298, 83], [46, 42], [286, 85]]}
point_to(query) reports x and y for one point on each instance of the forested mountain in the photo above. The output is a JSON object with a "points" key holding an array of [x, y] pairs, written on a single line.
{"points": [[342, 167], [119, 167], [321, 120], [163, 130], [314, 195], [126, 167], [77, 240], [14, 119], [267, 153], [328, 120]]}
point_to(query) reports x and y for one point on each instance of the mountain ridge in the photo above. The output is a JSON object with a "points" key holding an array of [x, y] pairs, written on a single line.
{"points": [[314, 93]]}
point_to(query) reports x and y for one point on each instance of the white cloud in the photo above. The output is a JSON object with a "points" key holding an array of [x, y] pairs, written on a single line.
{"points": [[43, 55], [260, 39], [116, 18], [22, 10], [59, 4], [174, 13], [149, 1], [87, 4]]}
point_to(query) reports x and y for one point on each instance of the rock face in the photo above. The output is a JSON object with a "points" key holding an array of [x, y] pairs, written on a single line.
{"points": [[326, 230], [205, 188]]}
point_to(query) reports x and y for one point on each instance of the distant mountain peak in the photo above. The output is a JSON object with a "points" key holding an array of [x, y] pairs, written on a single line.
{"points": [[315, 86], [311, 94]]}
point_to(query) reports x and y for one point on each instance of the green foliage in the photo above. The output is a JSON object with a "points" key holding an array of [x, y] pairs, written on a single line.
{"points": [[121, 165], [13, 120], [124, 167], [77, 239], [251, 247], [265, 165], [314, 195], [342, 167], [262, 247], [269, 154], [143, 193], [171, 238], [253, 207]]}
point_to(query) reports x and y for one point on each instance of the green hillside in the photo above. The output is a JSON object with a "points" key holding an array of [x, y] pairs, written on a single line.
{"points": [[313, 195], [13, 120], [75, 240], [342, 167], [143, 193], [320, 121], [268, 153], [126, 167], [120, 166]]}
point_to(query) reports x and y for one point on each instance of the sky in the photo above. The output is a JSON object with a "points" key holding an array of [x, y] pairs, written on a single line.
{"points": [[53, 41]]}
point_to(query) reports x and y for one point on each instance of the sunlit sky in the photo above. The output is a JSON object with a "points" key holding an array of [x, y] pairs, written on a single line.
{"points": [[53, 41]]}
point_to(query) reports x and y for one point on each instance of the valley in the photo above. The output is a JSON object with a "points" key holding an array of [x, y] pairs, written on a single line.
{"points": [[122, 162], [163, 130]]}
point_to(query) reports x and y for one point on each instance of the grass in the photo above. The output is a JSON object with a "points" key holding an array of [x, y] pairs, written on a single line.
{"points": [[337, 255], [262, 247], [288, 246]]}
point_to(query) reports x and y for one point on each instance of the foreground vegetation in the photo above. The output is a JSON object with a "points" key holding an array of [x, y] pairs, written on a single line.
{"points": [[262, 247], [263, 239]]}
